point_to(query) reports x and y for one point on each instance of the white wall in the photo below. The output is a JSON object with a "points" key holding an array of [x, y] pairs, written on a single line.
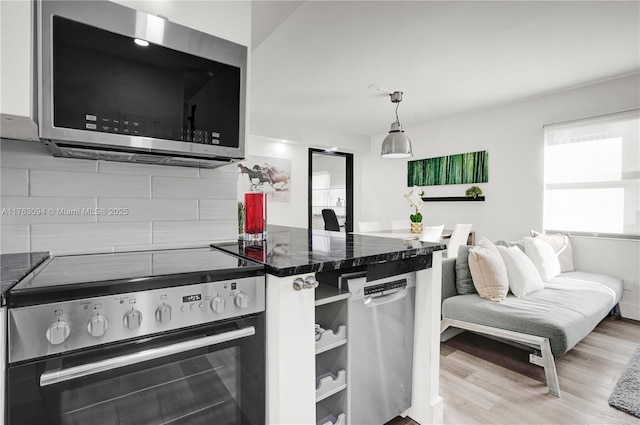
{"points": [[309, 134], [294, 212], [613, 257], [292, 140], [230, 20], [513, 136]]}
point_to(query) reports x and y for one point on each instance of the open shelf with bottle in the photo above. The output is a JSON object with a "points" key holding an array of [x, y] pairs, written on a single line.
{"points": [[332, 355]]}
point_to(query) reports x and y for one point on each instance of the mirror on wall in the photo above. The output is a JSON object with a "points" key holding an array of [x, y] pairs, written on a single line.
{"points": [[330, 188]]}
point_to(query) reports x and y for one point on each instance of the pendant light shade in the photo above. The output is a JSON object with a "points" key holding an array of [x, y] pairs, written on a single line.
{"points": [[396, 144]]}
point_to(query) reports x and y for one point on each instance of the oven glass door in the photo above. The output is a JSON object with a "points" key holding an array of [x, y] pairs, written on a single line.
{"points": [[204, 376]]}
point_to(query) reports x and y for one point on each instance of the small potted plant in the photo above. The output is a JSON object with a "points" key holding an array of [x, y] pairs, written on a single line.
{"points": [[473, 192], [415, 199]]}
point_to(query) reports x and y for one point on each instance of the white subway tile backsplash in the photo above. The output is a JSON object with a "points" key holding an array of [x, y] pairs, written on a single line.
{"points": [[14, 182], [218, 209], [129, 210], [226, 172], [62, 198], [146, 247], [14, 238], [72, 184], [183, 188], [35, 156], [146, 169], [81, 237], [194, 231], [36, 210]]}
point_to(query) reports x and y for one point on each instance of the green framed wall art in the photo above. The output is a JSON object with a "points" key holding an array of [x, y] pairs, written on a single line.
{"points": [[462, 168]]}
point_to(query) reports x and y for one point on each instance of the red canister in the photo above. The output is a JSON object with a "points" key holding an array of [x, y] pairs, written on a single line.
{"points": [[255, 216]]}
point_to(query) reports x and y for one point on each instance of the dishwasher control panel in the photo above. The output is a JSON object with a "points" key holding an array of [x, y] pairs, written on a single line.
{"points": [[385, 288], [360, 288]]}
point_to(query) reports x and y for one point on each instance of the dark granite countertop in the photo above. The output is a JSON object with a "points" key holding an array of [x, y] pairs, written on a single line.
{"points": [[13, 267], [290, 251]]}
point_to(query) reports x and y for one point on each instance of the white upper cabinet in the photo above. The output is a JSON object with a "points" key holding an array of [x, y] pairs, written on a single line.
{"points": [[17, 102]]}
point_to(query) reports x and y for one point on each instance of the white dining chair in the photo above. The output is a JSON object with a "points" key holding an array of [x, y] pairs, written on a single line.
{"points": [[459, 236], [400, 225], [369, 226], [431, 233]]}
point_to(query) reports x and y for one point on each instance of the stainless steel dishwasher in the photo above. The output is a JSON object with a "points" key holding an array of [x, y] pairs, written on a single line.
{"points": [[381, 326]]}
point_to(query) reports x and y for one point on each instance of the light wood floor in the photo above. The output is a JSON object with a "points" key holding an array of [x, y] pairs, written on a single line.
{"points": [[486, 382]]}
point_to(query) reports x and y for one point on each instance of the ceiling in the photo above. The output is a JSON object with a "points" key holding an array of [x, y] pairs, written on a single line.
{"points": [[313, 61]]}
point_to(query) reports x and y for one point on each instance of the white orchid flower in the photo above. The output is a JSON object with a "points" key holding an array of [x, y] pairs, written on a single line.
{"points": [[415, 198]]}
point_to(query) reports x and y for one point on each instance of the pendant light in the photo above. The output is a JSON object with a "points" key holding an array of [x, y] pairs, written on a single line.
{"points": [[396, 144]]}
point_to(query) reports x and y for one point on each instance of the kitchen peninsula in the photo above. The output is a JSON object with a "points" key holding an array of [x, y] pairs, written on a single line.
{"points": [[293, 253]]}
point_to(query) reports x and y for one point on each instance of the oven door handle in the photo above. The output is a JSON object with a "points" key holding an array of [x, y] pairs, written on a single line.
{"points": [[75, 372]]}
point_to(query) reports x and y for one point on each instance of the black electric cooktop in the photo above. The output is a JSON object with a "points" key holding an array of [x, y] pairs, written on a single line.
{"points": [[81, 276]]}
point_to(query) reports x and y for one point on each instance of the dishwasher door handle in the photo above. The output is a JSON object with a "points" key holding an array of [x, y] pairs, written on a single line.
{"points": [[384, 299]]}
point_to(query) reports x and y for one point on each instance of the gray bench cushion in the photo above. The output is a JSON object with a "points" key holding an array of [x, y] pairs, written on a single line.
{"points": [[569, 307]]}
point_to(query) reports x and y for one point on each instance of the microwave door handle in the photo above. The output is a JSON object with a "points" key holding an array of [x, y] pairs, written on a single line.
{"points": [[384, 299], [75, 372]]}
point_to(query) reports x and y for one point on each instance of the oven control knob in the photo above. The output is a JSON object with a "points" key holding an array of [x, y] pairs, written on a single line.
{"points": [[132, 319], [97, 326], [217, 304], [242, 300], [163, 313], [58, 332]]}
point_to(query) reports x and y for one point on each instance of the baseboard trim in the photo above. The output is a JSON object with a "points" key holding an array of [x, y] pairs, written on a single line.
{"points": [[630, 311]]}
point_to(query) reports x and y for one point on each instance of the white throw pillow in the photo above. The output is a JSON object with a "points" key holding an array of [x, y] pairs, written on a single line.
{"points": [[543, 256], [561, 244], [488, 271], [523, 275]]}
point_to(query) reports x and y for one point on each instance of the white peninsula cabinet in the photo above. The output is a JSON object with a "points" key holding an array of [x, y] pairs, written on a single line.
{"points": [[292, 355], [308, 383], [291, 374]]}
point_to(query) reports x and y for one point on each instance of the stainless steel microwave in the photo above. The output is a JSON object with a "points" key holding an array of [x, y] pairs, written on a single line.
{"points": [[122, 85]]}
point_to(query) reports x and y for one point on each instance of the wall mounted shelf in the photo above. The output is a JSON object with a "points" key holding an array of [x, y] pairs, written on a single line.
{"points": [[453, 199]]}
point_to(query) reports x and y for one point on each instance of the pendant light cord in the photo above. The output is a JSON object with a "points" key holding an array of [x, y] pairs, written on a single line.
{"points": [[397, 106]]}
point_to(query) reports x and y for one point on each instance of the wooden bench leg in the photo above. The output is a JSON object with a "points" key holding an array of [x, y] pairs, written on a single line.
{"points": [[546, 359]]}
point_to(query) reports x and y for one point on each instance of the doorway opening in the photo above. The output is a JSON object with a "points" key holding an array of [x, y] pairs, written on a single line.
{"points": [[330, 187]]}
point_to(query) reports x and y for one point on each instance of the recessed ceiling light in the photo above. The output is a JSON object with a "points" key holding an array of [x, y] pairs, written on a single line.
{"points": [[140, 42]]}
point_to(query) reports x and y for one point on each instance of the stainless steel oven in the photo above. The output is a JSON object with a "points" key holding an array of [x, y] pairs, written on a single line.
{"points": [[186, 346]]}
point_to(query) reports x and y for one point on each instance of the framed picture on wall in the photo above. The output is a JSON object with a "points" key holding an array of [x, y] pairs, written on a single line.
{"points": [[265, 174], [462, 168]]}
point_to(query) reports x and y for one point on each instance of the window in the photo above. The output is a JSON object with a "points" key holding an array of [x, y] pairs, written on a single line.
{"points": [[592, 176]]}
